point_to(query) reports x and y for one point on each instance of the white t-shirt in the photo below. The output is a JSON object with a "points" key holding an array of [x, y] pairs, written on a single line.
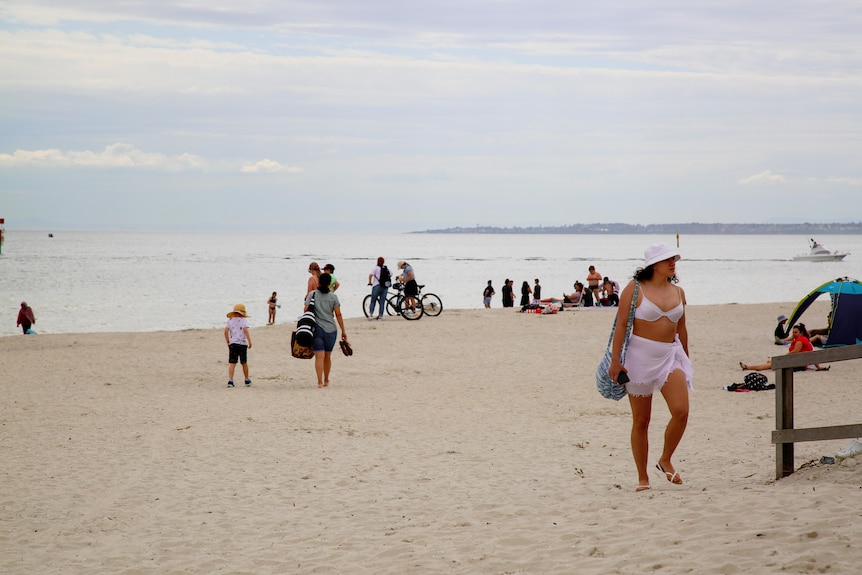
{"points": [[235, 327], [375, 276]]}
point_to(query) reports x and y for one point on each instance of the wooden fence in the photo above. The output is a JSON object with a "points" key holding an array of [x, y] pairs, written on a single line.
{"points": [[785, 435]]}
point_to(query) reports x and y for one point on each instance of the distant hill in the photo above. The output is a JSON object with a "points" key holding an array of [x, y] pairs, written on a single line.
{"points": [[692, 228]]}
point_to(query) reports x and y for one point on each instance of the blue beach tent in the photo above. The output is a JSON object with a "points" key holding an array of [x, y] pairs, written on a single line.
{"points": [[846, 321]]}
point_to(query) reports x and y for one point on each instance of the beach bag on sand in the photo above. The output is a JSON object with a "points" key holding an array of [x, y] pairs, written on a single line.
{"points": [[607, 386], [752, 382]]}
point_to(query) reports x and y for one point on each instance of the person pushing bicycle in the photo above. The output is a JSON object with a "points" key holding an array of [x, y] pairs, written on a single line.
{"points": [[411, 289]]}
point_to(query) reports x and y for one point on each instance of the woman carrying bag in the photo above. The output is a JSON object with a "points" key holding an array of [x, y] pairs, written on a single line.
{"points": [[327, 311], [656, 357]]}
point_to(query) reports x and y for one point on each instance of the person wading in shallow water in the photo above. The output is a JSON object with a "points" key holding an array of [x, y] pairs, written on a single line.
{"points": [[26, 317]]}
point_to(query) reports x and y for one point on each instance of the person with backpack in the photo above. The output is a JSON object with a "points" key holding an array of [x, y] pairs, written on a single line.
{"points": [[380, 280]]}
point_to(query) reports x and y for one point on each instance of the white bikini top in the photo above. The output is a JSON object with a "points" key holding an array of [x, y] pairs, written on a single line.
{"points": [[648, 311]]}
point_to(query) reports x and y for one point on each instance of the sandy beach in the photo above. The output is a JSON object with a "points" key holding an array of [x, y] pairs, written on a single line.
{"points": [[474, 442]]}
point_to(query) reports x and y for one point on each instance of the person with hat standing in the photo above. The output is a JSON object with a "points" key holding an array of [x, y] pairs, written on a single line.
{"points": [[238, 342], [411, 288], [779, 331], [657, 358]]}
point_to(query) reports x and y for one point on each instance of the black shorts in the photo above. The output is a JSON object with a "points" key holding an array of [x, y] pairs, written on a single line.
{"points": [[237, 351], [411, 288]]}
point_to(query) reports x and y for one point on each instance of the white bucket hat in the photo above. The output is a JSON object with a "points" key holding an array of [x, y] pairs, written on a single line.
{"points": [[659, 252]]}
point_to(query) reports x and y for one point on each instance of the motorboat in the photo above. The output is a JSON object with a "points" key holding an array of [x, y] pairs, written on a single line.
{"points": [[820, 254]]}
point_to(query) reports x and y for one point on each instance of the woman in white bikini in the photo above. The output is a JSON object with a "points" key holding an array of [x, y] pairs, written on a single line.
{"points": [[656, 357]]}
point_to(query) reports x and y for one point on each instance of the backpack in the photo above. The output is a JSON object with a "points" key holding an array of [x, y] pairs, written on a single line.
{"points": [[385, 278], [752, 382], [755, 379]]}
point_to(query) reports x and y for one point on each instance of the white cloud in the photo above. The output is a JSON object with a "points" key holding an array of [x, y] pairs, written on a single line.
{"points": [[498, 97], [118, 155], [766, 177], [846, 181], [268, 166]]}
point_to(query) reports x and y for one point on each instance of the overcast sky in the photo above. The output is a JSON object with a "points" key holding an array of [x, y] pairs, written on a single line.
{"points": [[400, 115]]}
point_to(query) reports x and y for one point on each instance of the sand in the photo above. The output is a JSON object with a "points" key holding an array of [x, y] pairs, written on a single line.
{"points": [[474, 442]]}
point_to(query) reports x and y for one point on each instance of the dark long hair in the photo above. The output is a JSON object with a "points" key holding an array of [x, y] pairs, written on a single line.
{"points": [[325, 280], [644, 274], [802, 329]]}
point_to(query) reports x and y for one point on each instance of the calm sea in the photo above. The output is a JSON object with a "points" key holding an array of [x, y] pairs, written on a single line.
{"points": [[139, 281]]}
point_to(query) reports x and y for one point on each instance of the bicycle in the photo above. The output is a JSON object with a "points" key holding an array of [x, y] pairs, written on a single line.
{"points": [[394, 304], [429, 304]]}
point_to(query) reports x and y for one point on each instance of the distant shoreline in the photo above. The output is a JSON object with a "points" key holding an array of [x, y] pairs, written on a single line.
{"points": [[691, 228]]}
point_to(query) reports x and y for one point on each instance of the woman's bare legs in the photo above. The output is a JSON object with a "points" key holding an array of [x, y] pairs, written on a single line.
{"points": [[675, 393], [641, 413], [758, 367], [319, 363], [327, 365]]}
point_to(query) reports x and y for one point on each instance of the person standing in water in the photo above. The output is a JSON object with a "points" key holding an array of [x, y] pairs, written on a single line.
{"points": [[272, 304], [26, 317]]}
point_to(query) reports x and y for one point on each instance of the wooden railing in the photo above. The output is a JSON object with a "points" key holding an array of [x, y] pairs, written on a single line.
{"points": [[785, 435]]}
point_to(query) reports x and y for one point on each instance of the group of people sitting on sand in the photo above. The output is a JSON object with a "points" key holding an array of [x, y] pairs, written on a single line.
{"points": [[799, 340], [608, 295]]}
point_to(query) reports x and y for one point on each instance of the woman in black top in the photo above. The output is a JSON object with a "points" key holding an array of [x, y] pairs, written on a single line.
{"points": [[525, 293], [508, 296]]}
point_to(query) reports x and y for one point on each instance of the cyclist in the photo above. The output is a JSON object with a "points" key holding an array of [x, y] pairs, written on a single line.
{"points": [[411, 289]]}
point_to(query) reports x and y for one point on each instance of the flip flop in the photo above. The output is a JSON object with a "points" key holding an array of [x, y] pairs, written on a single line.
{"points": [[743, 366], [642, 488], [672, 477]]}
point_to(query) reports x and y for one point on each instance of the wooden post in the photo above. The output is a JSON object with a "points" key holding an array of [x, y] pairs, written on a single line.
{"points": [[784, 435], [783, 420]]}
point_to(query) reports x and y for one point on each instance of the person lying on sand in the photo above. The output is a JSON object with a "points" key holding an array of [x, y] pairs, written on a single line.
{"points": [[571, 299], [800, 342]]}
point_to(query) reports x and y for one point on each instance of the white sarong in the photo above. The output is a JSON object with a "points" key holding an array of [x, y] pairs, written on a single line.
{"points": [[649, 363]]}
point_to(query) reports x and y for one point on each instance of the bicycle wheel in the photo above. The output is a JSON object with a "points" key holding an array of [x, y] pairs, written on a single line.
{"points": [[393, 307], [366, 305], [411, 313], [431, 304]]}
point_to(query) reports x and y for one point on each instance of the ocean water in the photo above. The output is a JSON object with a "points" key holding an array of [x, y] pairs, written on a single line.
{"points": [[150, 281]]}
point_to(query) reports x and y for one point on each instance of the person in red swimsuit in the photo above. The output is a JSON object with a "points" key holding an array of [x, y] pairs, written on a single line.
{"points": [[800, 342]]}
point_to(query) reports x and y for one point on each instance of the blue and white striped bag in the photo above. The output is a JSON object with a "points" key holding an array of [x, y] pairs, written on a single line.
{"points": [[305, 326], [609, 388]]}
